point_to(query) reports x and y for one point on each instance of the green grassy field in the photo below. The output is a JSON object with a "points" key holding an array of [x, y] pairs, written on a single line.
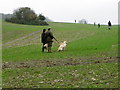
{"points": [[89, 61]]}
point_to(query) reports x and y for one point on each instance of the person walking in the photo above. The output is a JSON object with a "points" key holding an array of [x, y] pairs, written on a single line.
{"points": [[98, 25], [43, 39], [94, 24], [49, 39], [75, 21], [109, 25]]}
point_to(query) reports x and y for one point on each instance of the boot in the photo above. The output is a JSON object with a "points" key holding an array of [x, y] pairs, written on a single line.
{"points": [[42, 49], [49, 49]]}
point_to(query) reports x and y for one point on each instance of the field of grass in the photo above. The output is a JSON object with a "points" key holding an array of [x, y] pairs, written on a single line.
{"points": [[85, 63]]}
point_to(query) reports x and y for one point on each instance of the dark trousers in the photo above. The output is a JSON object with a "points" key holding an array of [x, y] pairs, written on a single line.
{"points": [[43, 47]]}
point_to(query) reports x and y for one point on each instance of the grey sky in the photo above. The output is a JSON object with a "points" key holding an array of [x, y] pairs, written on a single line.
{"points": [[99, 11]]}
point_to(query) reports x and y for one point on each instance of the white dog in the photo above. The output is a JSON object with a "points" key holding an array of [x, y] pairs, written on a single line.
{"points": [[46, 46], [62, 46]]}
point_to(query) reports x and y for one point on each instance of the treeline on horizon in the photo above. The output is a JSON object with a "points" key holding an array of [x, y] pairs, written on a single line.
{"points": [[25, 15]]}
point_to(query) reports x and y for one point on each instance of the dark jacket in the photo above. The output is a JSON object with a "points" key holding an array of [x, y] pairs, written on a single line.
{"points": [[49, 36], [109, 23], [43, 37]]}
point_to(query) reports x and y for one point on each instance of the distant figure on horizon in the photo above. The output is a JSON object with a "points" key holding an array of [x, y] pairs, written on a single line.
{"points": [[94, 24], [75, 21], [109, 25], [98, 25]]}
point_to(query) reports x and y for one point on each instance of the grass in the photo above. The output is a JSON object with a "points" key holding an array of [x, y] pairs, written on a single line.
{"points": [[81, 42], [14, 31], [80, 76], [86, 43]]}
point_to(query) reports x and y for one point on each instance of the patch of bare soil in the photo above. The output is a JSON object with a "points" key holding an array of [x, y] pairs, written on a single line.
{"points": [[60, 62]]}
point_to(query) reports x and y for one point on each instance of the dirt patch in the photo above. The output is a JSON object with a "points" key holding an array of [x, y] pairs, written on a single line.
{"points": [[60, 62]]}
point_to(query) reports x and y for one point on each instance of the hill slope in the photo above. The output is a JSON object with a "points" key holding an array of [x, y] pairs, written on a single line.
{"points": [[86, 62]]}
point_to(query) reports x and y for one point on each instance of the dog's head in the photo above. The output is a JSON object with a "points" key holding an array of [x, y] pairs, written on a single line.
{"points": [[65, 42]]}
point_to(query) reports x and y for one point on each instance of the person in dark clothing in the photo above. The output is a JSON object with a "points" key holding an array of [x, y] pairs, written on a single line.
{"points": [[49, 39], [98, 25], [43, 39], [94, 24], [109, 25], [75, 21]]}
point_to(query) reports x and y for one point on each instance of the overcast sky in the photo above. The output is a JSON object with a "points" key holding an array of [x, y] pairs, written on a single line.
{"points": [[99, 11]]}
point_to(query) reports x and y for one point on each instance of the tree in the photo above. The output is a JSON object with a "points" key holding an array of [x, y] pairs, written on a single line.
{"points": [[25, 13], [41, 17]]}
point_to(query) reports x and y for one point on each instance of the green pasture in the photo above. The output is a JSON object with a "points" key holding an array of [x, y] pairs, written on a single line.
{"points": [[83, 40], [24, 65]]}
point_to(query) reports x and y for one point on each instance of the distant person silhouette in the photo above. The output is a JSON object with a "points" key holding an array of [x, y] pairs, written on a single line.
{"points": [[94, 24], [75, 21], [109, 25], [98, 25]]}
